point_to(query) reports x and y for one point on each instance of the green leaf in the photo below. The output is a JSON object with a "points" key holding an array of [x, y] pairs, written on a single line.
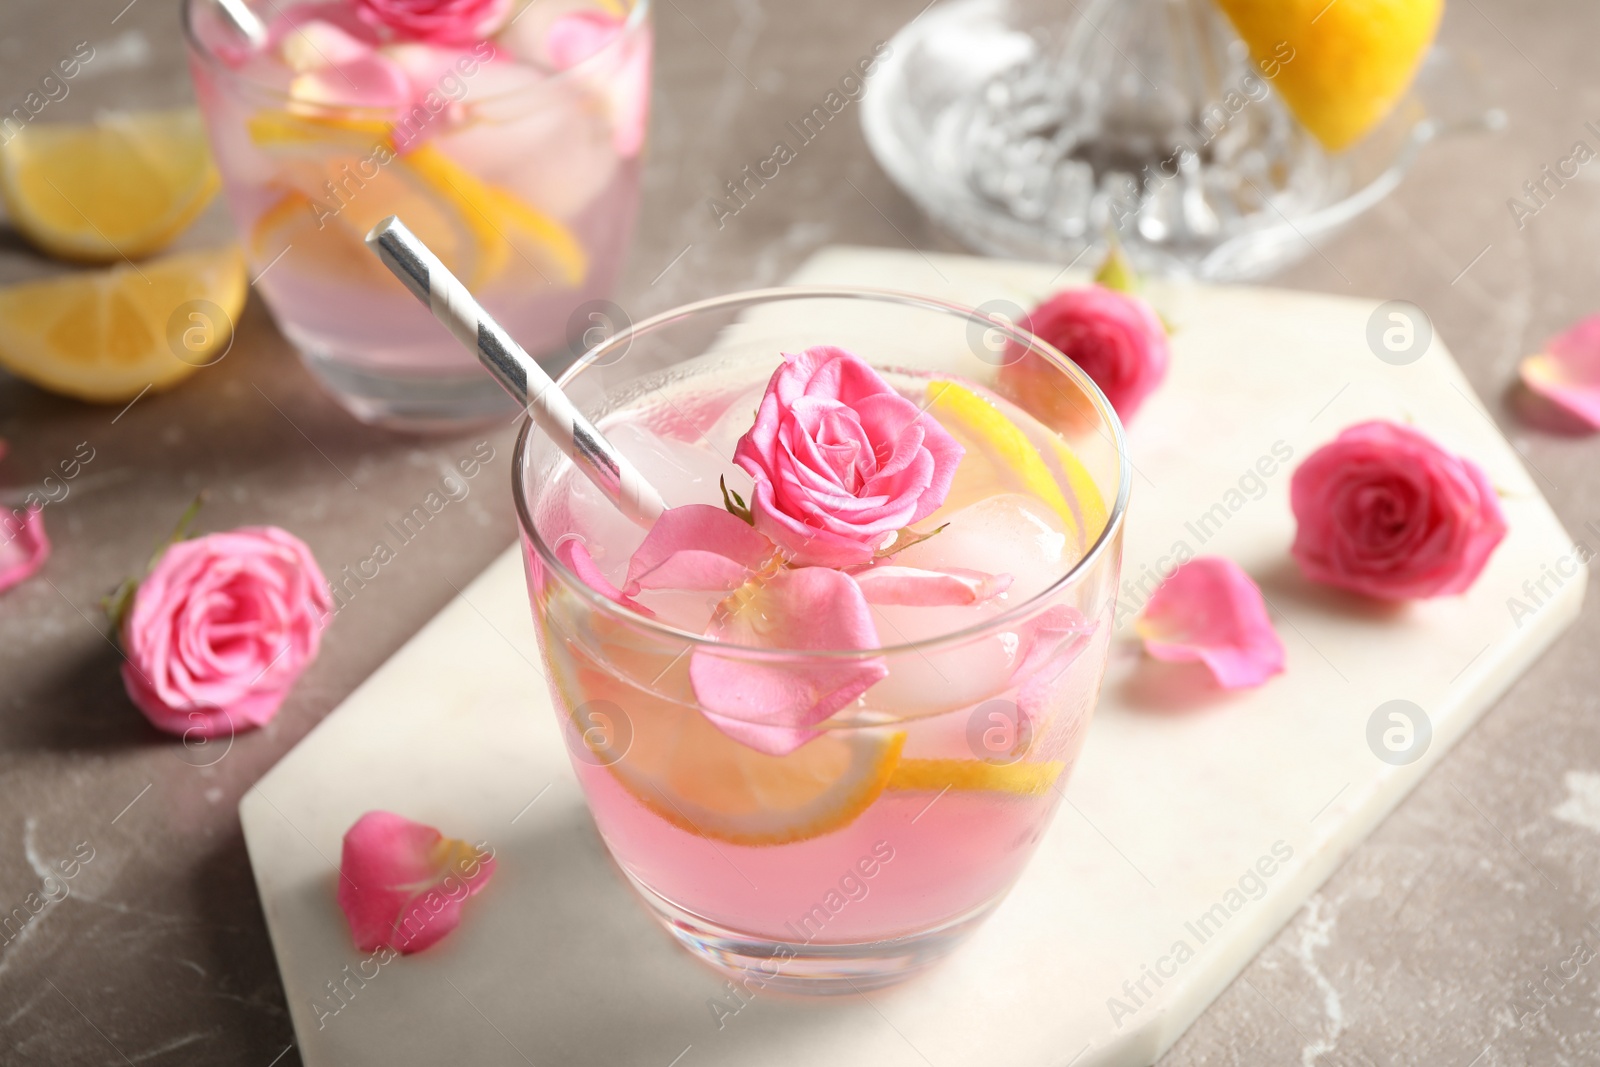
{"points": [[116, 605], [734, 503]]}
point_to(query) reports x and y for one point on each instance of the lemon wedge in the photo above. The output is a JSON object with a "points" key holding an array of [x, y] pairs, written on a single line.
{"points": [[1001, 458], [123, 186], [1343, 66], [107, 335]]}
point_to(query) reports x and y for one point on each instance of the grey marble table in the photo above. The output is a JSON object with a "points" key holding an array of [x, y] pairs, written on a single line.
{"points": [[1421, 949]]}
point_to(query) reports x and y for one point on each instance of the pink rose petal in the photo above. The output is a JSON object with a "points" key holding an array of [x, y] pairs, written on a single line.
{"points": [[699, 547], [1051, 642], [915, 587], [575, 555], [1568, 372], [402, 883], [770, 705], [1209, 610], [23, 544]]}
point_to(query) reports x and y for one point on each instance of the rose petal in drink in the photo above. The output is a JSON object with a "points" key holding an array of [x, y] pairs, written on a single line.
{"points": [[772, 705], [571, 551], [1051, 642], [697, 546]]}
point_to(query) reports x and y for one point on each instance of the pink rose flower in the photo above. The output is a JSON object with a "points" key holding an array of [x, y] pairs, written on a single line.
{"points": [[436, 21], [840, 460], [402, 883], [1384, 511], [221, 628], [1115, 337]]}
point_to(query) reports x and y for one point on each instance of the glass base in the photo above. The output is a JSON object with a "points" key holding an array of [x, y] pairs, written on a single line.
{"points": [[412, 402], [757, 964]]}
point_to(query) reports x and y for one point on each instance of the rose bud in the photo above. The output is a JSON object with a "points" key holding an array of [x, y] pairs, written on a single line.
{"points": [[1115, 337]]}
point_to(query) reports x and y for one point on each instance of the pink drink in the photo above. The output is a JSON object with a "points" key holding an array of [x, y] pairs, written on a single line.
{"points": [[863, 854], [515, 158]]}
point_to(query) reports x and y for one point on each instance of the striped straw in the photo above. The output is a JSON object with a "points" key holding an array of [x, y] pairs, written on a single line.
{"points": [[246, 22], [516, 371]]}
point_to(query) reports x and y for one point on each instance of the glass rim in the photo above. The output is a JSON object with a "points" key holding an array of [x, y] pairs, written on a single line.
{"points": [[636, 17], [749, 297]]}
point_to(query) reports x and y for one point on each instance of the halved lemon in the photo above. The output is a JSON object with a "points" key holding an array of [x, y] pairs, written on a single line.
{"points": [[123, 186], [1341, 66], [1005, 459], [699, 779], [938, 775], [107, 335]]}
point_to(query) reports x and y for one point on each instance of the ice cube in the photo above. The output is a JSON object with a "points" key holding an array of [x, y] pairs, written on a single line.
{"points": [[1010, 533], [681, 471]]}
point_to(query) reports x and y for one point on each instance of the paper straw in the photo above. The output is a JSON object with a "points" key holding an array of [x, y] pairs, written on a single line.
{"points": [[246, 22], [516, 371]]}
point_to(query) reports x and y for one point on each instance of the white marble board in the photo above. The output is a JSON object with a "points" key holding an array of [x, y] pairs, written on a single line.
{"points": [[1181, 791]]}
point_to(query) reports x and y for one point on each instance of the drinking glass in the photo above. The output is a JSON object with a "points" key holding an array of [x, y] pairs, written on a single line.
{"points": [[516, 161], [868, 852]]}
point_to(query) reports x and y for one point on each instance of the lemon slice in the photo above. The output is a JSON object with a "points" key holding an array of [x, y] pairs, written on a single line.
{"points": [[107, 335], [937, 775], [274, 129], [700, 780], [497, 219], [475, 227], [1341, 67], [1005, 459], [123, 186]]}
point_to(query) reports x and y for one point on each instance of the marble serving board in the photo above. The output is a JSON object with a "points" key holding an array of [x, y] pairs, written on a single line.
{"points": [[1196, 824]]}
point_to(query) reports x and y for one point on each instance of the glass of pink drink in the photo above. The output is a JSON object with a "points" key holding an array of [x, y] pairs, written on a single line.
{"points": [[511, 148], [861, 855]]}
